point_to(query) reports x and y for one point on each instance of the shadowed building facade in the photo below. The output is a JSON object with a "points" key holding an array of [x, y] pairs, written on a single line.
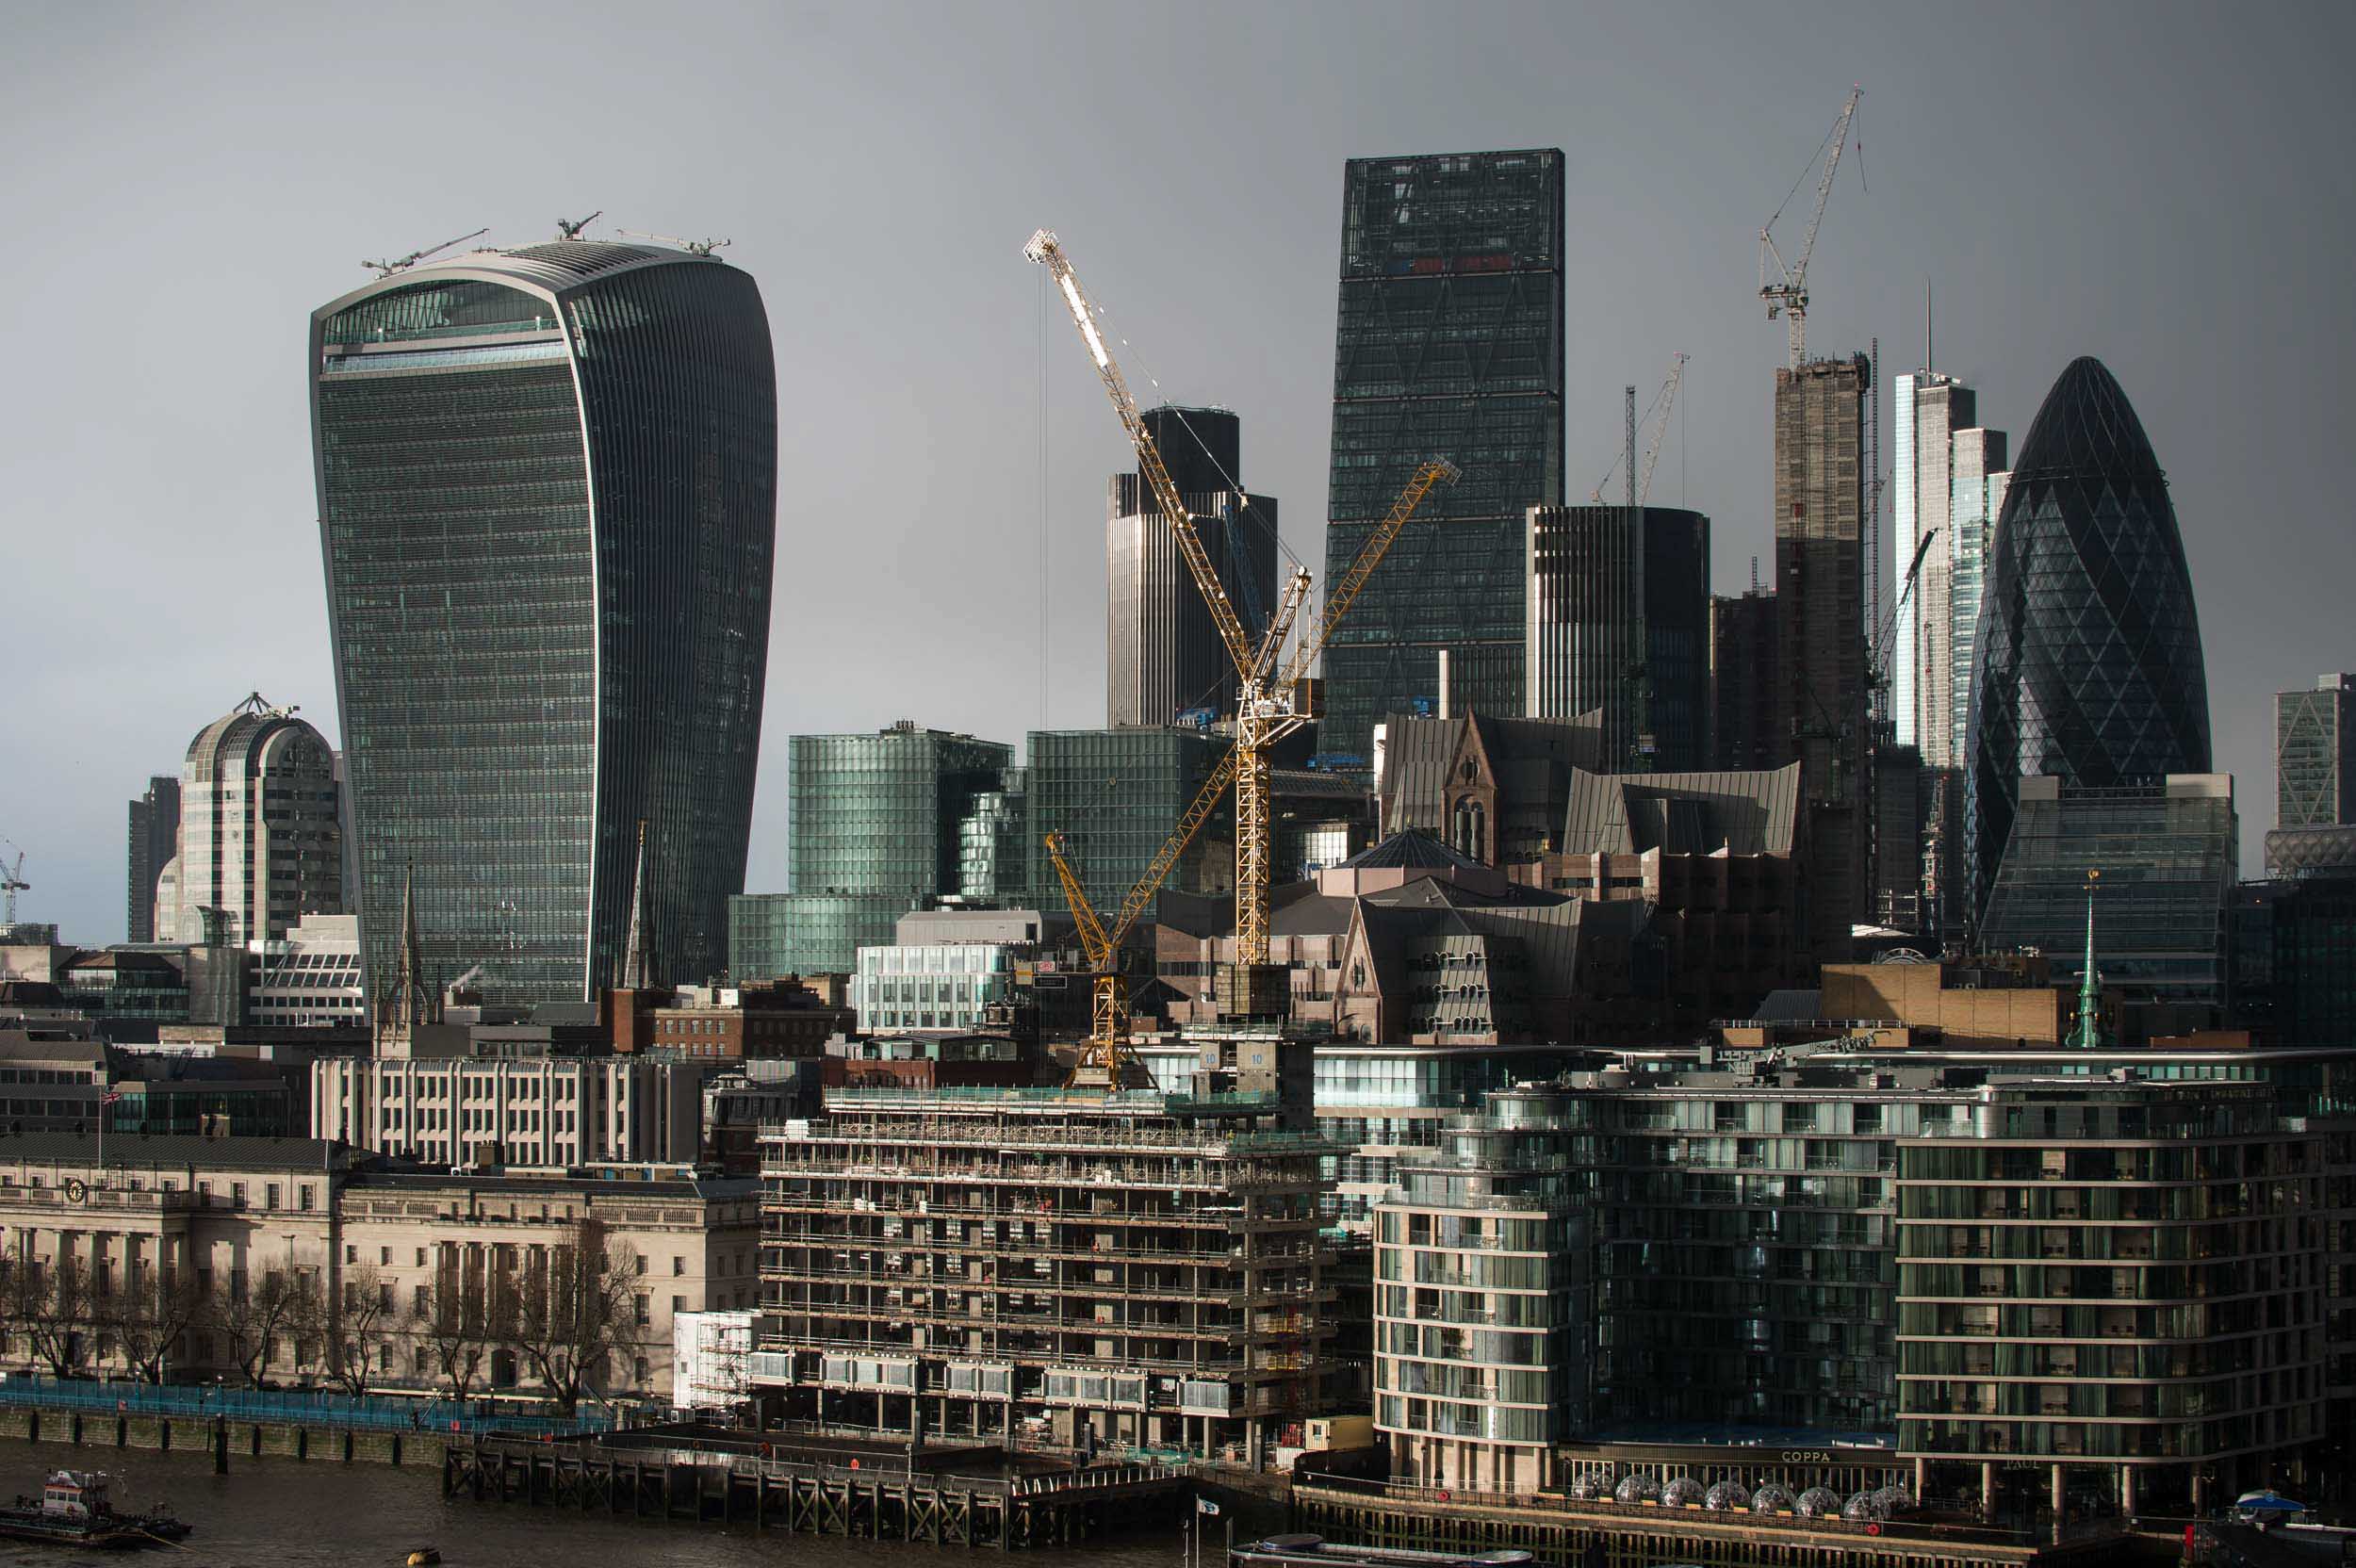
{"points": [[1626, 636], [152, 839], [1819, 704], [1448, 343], [2088, 663], [546, 492]]}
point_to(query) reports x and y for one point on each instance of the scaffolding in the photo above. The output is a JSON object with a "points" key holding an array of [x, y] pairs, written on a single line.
{"points": [[1136, 1270]]}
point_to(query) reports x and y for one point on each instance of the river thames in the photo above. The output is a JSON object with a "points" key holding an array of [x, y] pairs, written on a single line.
{"points": [[269, 1513]]}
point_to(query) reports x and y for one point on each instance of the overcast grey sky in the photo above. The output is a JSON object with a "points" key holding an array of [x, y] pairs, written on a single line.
{"points": [[2162, 186]]}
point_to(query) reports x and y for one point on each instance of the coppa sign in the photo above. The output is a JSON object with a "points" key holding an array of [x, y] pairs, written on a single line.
{"points": [[1429, 266]]}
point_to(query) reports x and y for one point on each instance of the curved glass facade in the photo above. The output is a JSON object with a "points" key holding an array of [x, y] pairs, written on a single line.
{"points": [[546, 484], [2088, 663]]}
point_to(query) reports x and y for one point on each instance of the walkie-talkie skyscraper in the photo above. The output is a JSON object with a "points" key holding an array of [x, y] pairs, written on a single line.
{"points": [[1448, 344], [548, 503]]}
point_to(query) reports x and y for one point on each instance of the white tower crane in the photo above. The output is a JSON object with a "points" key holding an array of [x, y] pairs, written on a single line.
{"points": [[1665, 402], [13, 882], [1785, 288]]}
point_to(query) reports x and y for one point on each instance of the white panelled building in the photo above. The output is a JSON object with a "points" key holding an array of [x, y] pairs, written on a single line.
{"points": [[544, 1111], [312, 977], [931, 986]]}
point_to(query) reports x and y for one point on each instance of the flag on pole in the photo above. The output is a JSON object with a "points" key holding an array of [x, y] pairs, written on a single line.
{"points": [[1205, 1505]]}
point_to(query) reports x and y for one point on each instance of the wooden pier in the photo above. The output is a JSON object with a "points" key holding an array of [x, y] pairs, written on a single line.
{"points": [[945, 1500], [1377, 1517]]}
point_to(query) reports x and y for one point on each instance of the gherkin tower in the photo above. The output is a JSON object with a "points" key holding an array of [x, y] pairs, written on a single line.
{"points": [[2088, 663]]}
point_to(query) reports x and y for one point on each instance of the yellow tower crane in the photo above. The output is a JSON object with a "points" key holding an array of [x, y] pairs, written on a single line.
{"points": [[1106, 1062], [1270, 704]]}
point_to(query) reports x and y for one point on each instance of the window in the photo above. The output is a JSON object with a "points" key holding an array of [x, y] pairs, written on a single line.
{"points": [[352, 1253], [678, 1265], [643, 1315], [269, 1195]]}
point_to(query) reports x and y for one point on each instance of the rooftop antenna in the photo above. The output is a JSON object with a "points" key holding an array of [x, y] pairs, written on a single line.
{"points": [[693, 247], [572, 230], [387, 268]]}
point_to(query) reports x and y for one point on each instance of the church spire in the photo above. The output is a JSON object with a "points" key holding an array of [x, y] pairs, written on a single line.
{"points": [[2087, 1036], [409, 1000], [639, 969]]}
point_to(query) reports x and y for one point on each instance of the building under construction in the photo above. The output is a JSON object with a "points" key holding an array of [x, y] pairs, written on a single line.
{"points": [[1820, 706], [1080, 1271]]}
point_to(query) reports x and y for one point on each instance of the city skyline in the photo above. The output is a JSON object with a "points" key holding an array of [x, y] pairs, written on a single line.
{"points": [[2096, 249]]}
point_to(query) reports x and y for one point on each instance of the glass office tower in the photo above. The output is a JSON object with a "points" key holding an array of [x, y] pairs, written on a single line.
{"points": [[548, 504], [2169, 854], [2088, 664], [1448, 344], [1114, 797], [878, 826]]}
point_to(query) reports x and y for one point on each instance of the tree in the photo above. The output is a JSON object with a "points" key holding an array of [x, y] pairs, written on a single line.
{"points": [[147, 1320], [350, 1332], [55, 1302], [250, 1318], [575, 1311], [459, 1323]]}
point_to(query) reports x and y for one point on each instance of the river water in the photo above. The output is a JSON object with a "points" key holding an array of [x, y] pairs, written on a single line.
{"points": [[290, 1513]]}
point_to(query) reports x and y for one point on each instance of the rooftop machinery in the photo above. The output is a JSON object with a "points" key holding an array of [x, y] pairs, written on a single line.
{"points": [[1271, 703]]}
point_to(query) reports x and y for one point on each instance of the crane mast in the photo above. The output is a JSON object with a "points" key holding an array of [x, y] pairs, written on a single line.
{"points": [[1268, 705], [12, 883], [1785, 286], [1106, 1061], [1660, 430]]}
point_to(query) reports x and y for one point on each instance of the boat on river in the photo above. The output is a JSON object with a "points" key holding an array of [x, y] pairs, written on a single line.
{"points": [[74, 1509]]}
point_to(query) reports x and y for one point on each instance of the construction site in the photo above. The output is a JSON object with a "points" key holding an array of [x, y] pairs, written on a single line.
{"points": [[1101, 1265], [1097, 1273]]}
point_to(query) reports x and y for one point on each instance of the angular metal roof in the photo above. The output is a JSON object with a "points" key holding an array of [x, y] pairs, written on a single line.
{"points": [[1683, 813], [1412, 847]]}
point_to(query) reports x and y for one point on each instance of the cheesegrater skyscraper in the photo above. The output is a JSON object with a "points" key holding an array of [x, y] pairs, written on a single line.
{"points": [[547, 505], [1448, 344]]}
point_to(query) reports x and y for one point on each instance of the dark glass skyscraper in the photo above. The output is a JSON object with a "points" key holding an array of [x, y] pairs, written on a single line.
{"points": [[2088, 656], [548, 503], [1651, 678], [153, 839], [1448, 344]]}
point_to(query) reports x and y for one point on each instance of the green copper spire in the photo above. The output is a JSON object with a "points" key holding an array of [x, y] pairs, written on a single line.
{"points": [[2087, 1036]]}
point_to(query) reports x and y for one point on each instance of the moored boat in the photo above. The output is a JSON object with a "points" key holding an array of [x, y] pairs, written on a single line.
{"points": [[74, 1510]]}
